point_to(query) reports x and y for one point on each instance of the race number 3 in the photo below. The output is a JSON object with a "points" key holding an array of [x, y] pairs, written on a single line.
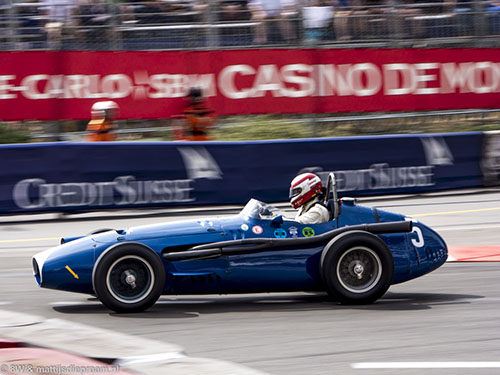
{"points": [[419, 241]]}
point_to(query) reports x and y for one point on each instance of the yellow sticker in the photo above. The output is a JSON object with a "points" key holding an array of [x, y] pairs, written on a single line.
{"points": [[72, 272]]}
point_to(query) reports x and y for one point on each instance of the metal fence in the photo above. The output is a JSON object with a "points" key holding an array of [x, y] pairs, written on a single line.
{"points": [[279, 126], [198, 24]]}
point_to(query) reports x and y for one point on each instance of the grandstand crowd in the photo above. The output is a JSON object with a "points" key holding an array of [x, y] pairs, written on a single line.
{"points": [[176, 24]]}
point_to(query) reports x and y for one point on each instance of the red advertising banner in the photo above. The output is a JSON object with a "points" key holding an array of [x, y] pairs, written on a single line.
{"points": [[64, 85]]}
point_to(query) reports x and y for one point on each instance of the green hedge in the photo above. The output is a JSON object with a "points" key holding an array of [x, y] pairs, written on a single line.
{"points": [[9, 135]]}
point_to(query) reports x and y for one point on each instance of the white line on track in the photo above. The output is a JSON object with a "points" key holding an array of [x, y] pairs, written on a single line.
{"points": [[21, 253], [456, 212], [17, 270], [422, 365], [9, 275], [15, 251], [55, 239], [66, 303], [462, 227]]}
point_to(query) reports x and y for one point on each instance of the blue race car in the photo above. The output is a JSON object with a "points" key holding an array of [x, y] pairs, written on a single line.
{"points": [[355, 256]]}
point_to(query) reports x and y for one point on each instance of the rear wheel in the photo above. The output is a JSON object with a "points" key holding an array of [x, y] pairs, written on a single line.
{"points": [[129, 278], [357, 268]]}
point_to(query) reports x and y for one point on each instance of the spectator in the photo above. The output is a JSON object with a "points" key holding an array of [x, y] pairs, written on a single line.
{"points": [[432, 19], [408, 20], [491, 6], [316, 15], [59, 14], [433, 7], [4, 23], [234, 13], [30, 23], [178, 11], [266, 12], [198, 116], [101, 125], [201, 10], [369, 18], [342, 16], [234, 10], [151, 12], [94, 19], [288, 18]]}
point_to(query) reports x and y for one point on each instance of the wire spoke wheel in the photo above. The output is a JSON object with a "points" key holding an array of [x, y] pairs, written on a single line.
{"points": [[359, 269], [130, 279]]}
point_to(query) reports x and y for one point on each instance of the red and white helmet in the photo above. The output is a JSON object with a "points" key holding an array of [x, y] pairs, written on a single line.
{"points": [[303, 188]]}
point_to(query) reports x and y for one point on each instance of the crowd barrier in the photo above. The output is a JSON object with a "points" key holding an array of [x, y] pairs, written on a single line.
{"points": [[72, 177]]}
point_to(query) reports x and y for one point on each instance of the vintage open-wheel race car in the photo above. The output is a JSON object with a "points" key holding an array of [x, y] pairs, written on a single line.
{"points": [[355, 256]]}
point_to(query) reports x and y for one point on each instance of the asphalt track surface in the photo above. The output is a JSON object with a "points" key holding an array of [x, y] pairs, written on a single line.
{"points": [[444, 323]]}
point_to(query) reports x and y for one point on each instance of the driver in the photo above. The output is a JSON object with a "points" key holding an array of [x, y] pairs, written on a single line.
{"points": [[306, 191]]}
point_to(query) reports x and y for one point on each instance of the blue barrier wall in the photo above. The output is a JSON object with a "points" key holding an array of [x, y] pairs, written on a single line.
{"points": [[88, 176]]}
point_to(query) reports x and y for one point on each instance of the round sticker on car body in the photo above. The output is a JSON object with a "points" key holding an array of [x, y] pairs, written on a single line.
{"points": [[280, 233], [294, 232], [257, 229], [308, 232]]}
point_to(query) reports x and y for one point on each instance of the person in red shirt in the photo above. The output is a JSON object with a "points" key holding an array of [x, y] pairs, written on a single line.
{"points": [[198, 117], [100, 128]]}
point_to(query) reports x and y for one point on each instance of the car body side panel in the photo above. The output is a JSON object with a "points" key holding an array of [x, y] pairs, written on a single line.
{"points": [[274, 271], [278, 270], [398, 245], [287, 269], [195, 276]]}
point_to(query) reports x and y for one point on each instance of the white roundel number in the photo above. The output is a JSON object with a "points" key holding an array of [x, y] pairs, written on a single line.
{"points": [[419, 241]]}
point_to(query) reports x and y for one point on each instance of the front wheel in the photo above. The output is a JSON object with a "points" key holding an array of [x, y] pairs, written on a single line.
{"points": [[357, 268], [129, 278]]}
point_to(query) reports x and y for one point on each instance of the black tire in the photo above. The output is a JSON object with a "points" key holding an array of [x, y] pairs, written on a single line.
{"points": [[129, 278], [357, 268]]}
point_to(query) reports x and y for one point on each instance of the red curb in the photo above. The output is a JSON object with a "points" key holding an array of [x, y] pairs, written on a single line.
{"points": [[474, 253]]}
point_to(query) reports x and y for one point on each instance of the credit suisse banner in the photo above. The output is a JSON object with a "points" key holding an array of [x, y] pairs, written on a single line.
{"points": [[44, 177], [64, 84]]}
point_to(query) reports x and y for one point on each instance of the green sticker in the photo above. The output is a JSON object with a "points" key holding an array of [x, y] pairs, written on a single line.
{"points": [[308, 232]]}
